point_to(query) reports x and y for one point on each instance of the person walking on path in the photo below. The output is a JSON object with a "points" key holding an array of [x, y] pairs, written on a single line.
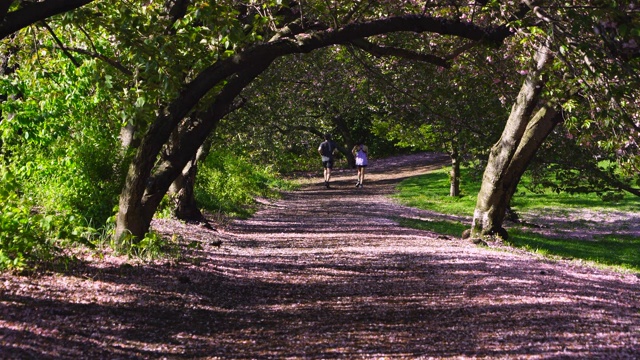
{"points": [[360, 151], [326, 149]]}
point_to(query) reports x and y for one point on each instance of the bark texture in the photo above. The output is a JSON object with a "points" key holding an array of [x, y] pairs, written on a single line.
{"points": [[522, 136], [143, 191], [182, 190], [182, 195], [454, 189]]}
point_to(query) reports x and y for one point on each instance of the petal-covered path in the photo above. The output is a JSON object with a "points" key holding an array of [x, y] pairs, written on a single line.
{"points": [[324, 274]]}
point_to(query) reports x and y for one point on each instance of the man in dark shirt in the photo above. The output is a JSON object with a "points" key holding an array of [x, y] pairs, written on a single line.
{"points": [[326, 149]]}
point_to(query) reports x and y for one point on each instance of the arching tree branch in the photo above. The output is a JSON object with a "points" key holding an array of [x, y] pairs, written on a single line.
{"points": [[106, 59], [379, 51], [146, 183], [28, 15]]}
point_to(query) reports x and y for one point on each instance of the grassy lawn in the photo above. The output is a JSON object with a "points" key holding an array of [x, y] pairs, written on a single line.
{"points": [[431, 192]]}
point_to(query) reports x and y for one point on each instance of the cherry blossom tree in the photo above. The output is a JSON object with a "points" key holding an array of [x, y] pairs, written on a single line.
{"points": [[573, 48], [148, 180]]}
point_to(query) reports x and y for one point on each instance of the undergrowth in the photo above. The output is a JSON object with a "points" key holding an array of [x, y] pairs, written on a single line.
{"points": [[230, 183], [32, 234], [29, 233]]}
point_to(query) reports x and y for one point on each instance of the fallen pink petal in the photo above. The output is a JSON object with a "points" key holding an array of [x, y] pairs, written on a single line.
{"points": [[311, 276]]}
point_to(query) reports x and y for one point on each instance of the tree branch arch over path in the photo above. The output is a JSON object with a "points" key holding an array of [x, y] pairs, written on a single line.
{"points": [[147, 181]]}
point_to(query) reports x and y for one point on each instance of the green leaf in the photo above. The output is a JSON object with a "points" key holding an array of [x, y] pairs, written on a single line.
{"points": [[140, 101]]}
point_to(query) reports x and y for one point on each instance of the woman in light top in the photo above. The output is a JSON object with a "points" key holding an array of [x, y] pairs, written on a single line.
{"points": [[360, 151]]}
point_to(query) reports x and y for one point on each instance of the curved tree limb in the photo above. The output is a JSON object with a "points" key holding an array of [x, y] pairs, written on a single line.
{"points": [[379, 51], [28, 15], [60, 44], [147, 182], [219, 71], [104, 58]]}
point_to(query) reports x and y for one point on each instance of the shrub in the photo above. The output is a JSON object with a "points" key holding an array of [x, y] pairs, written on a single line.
{"points": [[27, 234], [229, 183]]}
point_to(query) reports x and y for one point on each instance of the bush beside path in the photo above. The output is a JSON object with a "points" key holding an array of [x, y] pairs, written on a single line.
{"points": [[324, 274]]}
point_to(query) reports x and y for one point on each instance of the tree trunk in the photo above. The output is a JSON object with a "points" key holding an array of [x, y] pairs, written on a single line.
{"points": [[454, 189], [342, 127], [181, 193], [133, 218], [182, 190], [346, 151], [127, 136], [509, 157], [144, 190]]}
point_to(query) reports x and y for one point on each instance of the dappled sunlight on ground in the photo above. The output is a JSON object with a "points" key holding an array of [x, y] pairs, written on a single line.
{"points": [[323, 274], [583, 223]]}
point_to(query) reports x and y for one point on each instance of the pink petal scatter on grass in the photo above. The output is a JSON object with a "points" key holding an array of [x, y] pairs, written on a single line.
{"points": [[327, 274]]}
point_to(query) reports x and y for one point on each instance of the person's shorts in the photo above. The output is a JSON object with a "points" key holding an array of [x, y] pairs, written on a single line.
{"points": [[361, 166], [327, 164]]}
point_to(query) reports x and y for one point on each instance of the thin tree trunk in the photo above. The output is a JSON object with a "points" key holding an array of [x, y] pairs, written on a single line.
{"points": [[181, 193], [454, 189], [343, 129], [133, 219], [346, 151], [127, 136]]}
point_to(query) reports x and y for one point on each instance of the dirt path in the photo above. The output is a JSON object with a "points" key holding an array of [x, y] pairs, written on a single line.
{"points": [[325, 274]]}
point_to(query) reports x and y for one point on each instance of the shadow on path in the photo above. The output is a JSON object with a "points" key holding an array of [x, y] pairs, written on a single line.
{"points": [[324, 274]]}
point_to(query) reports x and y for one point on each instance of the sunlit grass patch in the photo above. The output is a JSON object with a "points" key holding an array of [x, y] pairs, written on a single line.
{"points": [[610, 250], [451, 228], [607, 250], [431, 192]]}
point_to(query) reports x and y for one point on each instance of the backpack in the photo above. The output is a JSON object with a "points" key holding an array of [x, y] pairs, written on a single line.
{"points": [[326, 148]]}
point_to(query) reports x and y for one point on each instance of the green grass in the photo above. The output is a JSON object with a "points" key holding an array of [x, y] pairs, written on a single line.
{"points": [[610, 250], [431, 192], [450, 228]]}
